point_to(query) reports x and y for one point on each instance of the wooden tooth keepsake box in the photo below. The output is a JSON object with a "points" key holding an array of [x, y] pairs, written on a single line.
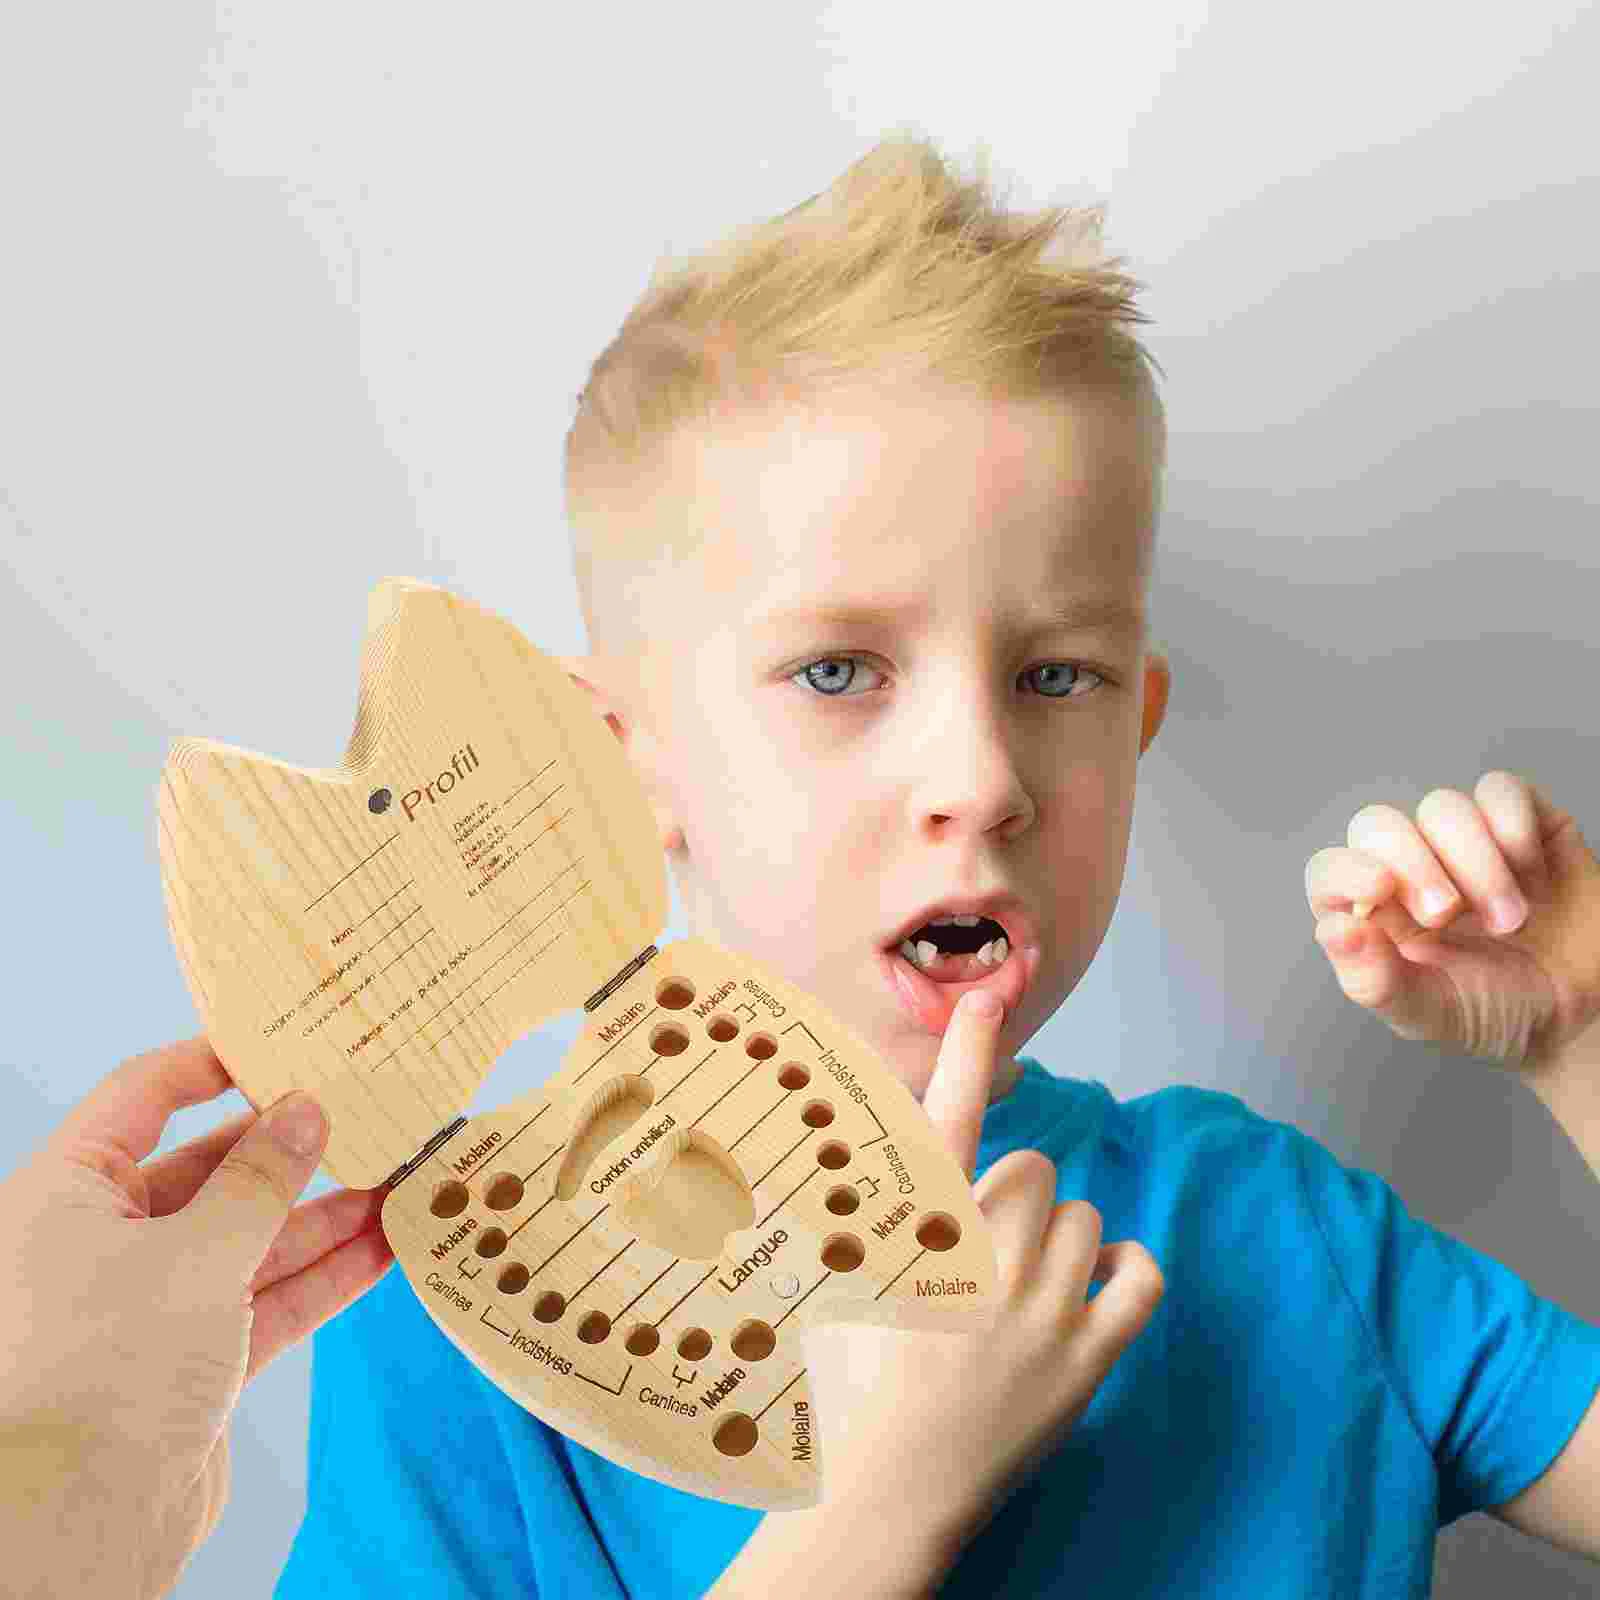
{"points": [[631, 1251]]}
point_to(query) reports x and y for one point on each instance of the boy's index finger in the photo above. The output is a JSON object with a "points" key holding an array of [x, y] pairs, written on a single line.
{"points": [[958, 1092]]}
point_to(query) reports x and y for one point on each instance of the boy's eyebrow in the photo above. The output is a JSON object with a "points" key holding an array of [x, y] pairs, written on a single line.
{"points": [[1106, 614]]}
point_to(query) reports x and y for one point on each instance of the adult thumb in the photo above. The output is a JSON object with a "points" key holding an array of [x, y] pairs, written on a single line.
{"points": [[243, 1205]]}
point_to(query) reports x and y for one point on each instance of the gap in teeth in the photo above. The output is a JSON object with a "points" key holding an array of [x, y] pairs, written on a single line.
{"points": [[925, 953]]}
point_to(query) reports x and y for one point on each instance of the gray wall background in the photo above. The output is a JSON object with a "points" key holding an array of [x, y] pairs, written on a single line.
{"points": [[293, 297]]}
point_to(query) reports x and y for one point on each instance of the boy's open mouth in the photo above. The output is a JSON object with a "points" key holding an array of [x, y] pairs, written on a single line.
{"points": [[952, 950], [930, 964]]}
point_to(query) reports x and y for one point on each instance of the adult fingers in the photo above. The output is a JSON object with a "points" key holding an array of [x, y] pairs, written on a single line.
{"points": [[239, 1210], [172, 1179], [129, 1107], [296, 1306], [317, 1228]]}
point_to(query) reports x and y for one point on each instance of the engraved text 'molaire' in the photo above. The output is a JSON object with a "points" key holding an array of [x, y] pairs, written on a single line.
{"points": [[470, 1157]]}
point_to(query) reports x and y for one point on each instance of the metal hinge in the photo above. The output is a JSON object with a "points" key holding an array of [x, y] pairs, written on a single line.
{"points": [[407, 1168], [598, 998]]}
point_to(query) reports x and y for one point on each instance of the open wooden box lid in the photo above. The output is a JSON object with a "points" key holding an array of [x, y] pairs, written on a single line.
{"points": [[484, 836]]}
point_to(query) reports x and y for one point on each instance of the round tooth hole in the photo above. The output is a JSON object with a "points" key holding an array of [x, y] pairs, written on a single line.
{"points": [[549, 1306], [643, 1340], [491, 1242], [938, 1231], [595, 1328], [817, 1114], [833, 1155], [759, 1046], [673, 994], [735, 1435], [753, 1341], [722, 1027], [794, 1075], [842, 1199], [503, 1191], [512, 1279], [842, 1252], [669, 1040], [695, 1345], [449, 1198]]}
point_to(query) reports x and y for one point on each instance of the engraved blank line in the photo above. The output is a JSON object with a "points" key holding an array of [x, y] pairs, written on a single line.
{"points": [[779, 1395], [529, 901], [754, 1066], [468, 1016], [535, 806], [404, 953], [676, 1303], [619, 1388], [757, 1123], [355, 869], [689, 1074], [587, 1281], [901, 1273], [805, 1029], [547, 1159], [534, 1213], [649, 1286], [396, 928], [500, 865], [524, 784], [780, 1161], [797, 1188], [883, 1132], [570, 1237], [801, 1301], [382, 903], [527, 933], [506, 1143]]}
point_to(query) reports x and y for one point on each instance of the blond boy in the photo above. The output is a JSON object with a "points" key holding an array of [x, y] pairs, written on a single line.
{"points": [[865, 508]]}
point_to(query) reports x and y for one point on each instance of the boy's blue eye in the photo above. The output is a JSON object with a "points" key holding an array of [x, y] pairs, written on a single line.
{"points": [[828, 686]]}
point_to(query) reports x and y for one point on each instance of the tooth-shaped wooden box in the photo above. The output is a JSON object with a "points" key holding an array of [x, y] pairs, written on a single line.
{"points": [[631, 1251]]}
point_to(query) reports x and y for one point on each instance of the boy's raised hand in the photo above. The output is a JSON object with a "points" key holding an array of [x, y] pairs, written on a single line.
{"points": [[936, 1427], [1476, 926]]}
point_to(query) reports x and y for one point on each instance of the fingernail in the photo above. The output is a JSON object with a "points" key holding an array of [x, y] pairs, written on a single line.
{"points": [[981, 1003], [296, 1122], [1508, 910], [1436, 901]]}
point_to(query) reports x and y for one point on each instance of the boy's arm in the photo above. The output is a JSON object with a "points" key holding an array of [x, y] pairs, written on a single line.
{"points": [[855, 1546]]}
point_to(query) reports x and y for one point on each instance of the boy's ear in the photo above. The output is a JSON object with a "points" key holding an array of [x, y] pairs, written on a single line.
{"points": [[593, 677], [1157, 686], [587, 673]]}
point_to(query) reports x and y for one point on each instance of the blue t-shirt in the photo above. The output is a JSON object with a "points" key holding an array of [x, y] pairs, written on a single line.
{"points": [[1326, 1383]]}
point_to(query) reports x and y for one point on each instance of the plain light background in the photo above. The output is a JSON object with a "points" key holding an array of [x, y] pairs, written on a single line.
{"points": [[295, 296]]}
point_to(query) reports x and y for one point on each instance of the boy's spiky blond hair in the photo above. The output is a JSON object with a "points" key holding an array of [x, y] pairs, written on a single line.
{"points": [[900, 269]]}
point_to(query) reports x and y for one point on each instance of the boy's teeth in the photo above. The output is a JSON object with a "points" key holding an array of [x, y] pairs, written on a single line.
{"points": [[924, 954]]}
